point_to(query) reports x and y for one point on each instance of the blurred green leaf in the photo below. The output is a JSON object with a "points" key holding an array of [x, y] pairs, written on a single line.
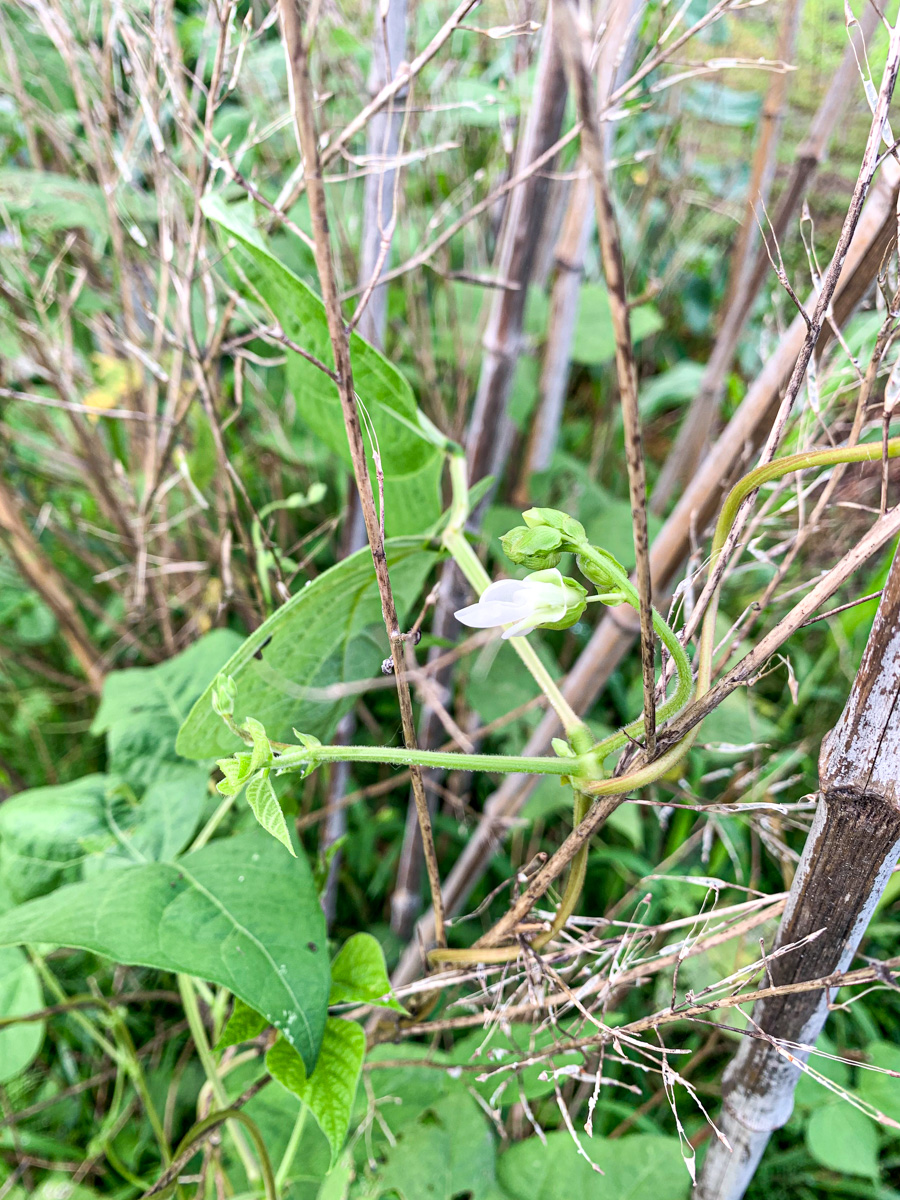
{"points": [[20, 993], [880, 1090], [55, 835], [843, 1139], [447, 1152], [142, 709], [642, 1167], [595, 343], [722, 105]]}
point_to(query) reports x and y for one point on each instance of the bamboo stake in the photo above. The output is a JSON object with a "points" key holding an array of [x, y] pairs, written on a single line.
{"points": [[491, 433], [382, 144], [849, 855], [616, 53], [575, 41]]}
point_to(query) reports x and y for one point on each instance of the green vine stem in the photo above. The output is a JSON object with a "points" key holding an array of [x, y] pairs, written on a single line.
{"points": [[208, 1062], [869, 452], [290, 1151], [196, 1132], [124, 1054], [398, 756]]}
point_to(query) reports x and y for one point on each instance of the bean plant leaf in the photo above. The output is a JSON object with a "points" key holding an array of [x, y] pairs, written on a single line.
{"points": [[20, 992], [240, 912], [633, 1169], [359, 974], [329, 632], [411, 449], [331, 1088], [142, 708], [55, 835], [244, 1024], [264, 804]]}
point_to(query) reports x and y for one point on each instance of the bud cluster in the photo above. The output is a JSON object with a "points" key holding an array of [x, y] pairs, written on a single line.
{"points": [[548, 534]]}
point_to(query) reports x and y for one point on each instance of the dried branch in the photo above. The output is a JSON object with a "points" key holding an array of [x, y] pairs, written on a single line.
{"points": [[575, 41], [297, 52]]}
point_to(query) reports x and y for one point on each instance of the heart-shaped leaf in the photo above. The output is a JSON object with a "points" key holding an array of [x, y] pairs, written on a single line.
{"points": [[359, 974], [331, 1089]]}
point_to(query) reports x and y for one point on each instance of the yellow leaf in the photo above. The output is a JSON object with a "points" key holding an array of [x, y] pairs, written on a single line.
{"points": [[116, 379]]}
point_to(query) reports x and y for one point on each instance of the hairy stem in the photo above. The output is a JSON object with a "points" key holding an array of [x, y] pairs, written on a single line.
{"points": [[504, 764]]}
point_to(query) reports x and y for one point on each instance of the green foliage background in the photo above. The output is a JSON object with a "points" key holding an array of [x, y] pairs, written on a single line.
{"points": [[106, 897]]}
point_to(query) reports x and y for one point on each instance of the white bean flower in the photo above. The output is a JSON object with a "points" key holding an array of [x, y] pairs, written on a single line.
{"points": [[544, 598]]}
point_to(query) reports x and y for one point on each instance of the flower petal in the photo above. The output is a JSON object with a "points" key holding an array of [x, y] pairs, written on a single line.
{"points": [[544, 594], [488, 615], [520, 628], [502, 589]]}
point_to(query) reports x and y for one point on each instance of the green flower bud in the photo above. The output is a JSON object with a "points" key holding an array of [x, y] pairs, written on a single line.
{"points": [[605, 572], [223, 696], [533, 548], [552, 518]]}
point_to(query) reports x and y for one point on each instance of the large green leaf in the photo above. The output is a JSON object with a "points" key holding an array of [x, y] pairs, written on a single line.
{"points": [[142, 709], [410, 447], [328, 633], [240, 912], [634, 1168], [20, 992], [55, 835]]}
